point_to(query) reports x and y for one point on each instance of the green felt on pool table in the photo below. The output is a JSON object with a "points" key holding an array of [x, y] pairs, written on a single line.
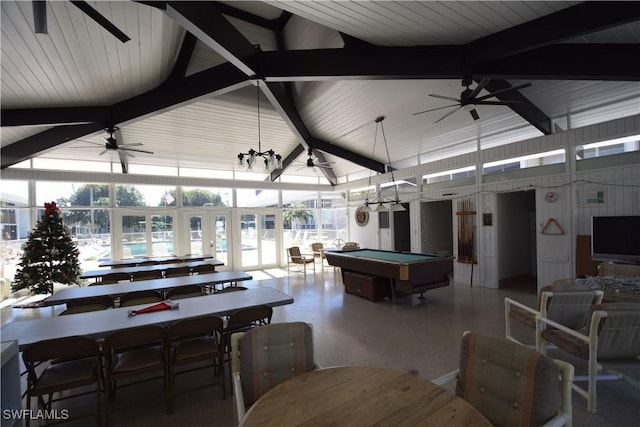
{"points": [[401, 257]]}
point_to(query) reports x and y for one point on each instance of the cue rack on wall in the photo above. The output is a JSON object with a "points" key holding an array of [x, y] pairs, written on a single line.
{"points": [[466, 217]]}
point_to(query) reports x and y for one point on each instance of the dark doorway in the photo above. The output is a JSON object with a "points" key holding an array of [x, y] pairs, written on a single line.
{"points": [[437, 227], [517, 260], [402, 230]]}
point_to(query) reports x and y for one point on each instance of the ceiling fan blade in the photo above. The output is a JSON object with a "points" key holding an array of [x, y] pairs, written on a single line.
{"points": [[99, 144], [434, 109], [134, 149], [492, 94], [444, 97], [447, 115], [102, 152], [478, 88], [495, 103], [123, 162], [40, 16], [135, 144], [104, 22]]}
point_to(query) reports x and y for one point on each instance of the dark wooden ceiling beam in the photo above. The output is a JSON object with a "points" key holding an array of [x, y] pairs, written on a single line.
{"points": [[569, 62], [572, 22], [612, 62], [45, 141], [212, 82], [276, 95], [287, 161], [204, 20], [366, 63], [184, 56], [55, 115]]}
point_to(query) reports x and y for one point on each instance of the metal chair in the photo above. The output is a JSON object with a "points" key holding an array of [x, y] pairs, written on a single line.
{"points": [[111, 278], [74, 362], [510, 384], [196, 340], [295, 257], [570, 308], [350, 245], [139, 297], [177, 271], [612, 336], [317, 250], [203, 268], [147, 275], [136, 353], [88, 304], [263, 357], [186, 291]]}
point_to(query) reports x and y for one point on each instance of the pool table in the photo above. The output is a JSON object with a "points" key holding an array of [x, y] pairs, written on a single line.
{"points": [[407, 273]]}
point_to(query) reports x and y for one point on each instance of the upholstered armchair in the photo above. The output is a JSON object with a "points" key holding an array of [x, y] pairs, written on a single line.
{"points": [[612, 336], [295, 257], [570, 308], [263, 357], [510, 384]]}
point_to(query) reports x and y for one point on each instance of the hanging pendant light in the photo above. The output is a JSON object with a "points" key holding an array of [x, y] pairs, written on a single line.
{"points": [[380, 202], [270, 158]]}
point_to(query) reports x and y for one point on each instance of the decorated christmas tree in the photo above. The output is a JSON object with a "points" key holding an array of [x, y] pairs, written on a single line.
{"points": [[50, 256]]}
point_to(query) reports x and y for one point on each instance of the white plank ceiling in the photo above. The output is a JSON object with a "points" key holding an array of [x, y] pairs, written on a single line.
{"points": [[79, 64]]}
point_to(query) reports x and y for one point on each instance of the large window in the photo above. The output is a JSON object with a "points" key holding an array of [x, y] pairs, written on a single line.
{"points": [[206, 197], [608, 148]]}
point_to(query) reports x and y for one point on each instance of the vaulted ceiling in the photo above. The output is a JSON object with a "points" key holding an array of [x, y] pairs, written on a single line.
{"points": [[186, 83]]}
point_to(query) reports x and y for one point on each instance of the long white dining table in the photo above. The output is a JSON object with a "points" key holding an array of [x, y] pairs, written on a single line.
{"points": [[98, 324], [117, 289], [172, 258], [98, 273]]}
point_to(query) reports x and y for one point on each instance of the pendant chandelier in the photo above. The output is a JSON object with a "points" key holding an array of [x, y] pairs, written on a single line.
{"points": [[380, 202], [271, 159]]}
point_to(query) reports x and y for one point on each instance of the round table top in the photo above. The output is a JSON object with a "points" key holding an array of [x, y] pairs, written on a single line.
{"points": [[361, 396]]}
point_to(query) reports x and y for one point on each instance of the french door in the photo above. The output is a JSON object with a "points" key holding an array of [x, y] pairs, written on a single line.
{"points": [[259, 246], [208, 233]]}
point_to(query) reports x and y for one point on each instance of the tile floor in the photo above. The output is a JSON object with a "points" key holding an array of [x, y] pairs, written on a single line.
{"points": [[415, 335]]}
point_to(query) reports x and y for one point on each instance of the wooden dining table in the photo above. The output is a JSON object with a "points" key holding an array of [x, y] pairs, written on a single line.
{"points": [[361, 396]]}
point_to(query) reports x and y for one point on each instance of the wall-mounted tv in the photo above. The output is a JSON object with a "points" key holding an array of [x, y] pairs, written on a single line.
{"points": [[615, 238]]}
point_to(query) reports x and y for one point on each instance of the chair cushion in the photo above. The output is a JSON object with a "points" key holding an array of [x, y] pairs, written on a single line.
{"points": [[138, 359], [568, 343], [618, 335], [273, 353], [67, 375], [523, 316], [195, 349], [508, 383]]}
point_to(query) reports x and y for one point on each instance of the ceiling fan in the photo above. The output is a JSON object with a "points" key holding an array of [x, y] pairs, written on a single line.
{"points": [[123, 150], [470, 97], [40, 18], [314, 162]]}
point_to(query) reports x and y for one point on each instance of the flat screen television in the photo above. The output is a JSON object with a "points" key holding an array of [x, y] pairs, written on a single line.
{"points": [[616, 239]]}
